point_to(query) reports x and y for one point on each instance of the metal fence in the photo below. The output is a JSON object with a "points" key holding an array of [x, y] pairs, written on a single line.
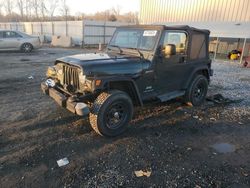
{"points": [[84, 32]]}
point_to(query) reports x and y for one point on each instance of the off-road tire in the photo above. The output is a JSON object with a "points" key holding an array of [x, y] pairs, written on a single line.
{"points": [[26, 47], [197, 91], [101, 110]]}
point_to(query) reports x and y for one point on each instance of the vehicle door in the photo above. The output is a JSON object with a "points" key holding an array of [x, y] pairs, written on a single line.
{"points": [[11, 40], [171, 70], [147, 81]]}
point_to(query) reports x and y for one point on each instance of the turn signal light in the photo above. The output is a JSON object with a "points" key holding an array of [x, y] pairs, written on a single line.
{"points": [[98, 82]]}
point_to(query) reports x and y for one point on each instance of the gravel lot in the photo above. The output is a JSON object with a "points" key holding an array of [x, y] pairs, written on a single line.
{"points": [[181, 146]]}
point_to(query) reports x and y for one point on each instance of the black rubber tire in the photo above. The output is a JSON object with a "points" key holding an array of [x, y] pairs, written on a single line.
{"points": [[197, 91], [101, 111], [26, 47]]}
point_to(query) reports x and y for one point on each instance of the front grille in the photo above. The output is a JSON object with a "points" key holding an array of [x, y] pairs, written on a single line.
{"points": [[71, 78]]}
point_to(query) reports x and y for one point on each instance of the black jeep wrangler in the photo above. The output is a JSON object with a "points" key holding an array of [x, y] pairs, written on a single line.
{"points": [[141, 63]]}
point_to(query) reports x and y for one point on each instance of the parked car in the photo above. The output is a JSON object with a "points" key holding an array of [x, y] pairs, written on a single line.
{"points": [[16, 40], [142, 63]]}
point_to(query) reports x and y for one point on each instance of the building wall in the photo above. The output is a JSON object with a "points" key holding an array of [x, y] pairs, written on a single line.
{"points": [[194, 11], [228, 19]]}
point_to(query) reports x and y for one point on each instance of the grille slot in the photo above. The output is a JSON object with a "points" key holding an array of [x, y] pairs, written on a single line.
{"points": [[71, 77]]}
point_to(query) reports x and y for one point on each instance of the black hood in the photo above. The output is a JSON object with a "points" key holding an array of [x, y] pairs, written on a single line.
{"points": [[107, 64]]}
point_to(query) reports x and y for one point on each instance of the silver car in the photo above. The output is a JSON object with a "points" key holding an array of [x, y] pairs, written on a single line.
{"points": [[16, 40]]}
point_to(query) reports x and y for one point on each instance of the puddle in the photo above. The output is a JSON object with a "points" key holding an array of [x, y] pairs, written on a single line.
{"points": [[224, 148]]}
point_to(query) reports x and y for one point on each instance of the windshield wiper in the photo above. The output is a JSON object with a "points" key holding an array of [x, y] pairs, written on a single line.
{"points": [[139, 51], [117, 47], [141, 54]]}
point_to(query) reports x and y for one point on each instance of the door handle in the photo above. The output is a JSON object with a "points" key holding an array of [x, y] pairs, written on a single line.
{"points": [[183, 59]]}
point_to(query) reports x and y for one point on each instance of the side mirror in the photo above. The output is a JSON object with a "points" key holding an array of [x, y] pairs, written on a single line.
{"points": [[169, 49]]}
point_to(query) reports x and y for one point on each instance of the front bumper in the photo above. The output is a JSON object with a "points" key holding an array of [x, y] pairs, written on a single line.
{"points": [[78, 108]]}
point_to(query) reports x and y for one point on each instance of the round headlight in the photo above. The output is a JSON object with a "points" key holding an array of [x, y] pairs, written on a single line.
{"points": [[51, 72], [60, 71]]}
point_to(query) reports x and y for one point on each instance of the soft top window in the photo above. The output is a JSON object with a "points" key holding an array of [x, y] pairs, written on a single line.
{"points": [[198, 46], [178, 38]]}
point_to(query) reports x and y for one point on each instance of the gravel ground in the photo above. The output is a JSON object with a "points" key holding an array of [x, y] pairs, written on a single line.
{"points": [[182, 146], [233, 82]]}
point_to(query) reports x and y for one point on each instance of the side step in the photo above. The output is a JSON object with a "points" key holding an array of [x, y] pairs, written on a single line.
{"points": [[171, 95]]}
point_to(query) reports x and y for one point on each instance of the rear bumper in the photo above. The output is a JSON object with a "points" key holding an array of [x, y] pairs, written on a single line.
{"points": [[78, 108]]}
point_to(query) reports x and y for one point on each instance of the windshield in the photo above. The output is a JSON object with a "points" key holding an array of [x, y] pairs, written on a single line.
{"points": [[135, 38]]}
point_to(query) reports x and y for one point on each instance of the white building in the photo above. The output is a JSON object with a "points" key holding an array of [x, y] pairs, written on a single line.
{"points": [[228, 20]]}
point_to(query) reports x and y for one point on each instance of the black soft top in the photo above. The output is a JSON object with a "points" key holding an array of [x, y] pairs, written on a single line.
{"points": [[164, 27]]}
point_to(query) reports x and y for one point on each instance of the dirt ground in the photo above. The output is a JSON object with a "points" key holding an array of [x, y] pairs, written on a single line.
{"points": [[176, 143]]}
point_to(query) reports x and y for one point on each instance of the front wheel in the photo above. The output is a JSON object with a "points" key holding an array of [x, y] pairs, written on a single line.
{"points": [[197, 91], [26, 47], [111, 113]]}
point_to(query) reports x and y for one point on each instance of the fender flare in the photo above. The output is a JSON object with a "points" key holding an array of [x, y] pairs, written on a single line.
{"points": [[194, 72], [107, 81]]}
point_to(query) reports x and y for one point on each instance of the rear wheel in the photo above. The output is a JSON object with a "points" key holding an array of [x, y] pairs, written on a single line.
{"points": [[111, 113], [197, 91], [26, 47]]}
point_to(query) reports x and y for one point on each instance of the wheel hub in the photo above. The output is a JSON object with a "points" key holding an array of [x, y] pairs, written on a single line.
{"points": [[198, 93], [116, 115]]}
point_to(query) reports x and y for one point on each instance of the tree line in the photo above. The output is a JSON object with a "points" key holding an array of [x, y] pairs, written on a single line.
{"points": [[44, 10]]}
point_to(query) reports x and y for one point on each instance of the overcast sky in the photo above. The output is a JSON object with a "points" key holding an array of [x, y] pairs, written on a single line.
{"points": [[92, 6]]}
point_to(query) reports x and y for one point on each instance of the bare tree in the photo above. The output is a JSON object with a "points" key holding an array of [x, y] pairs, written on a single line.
{"points": [[64, 9], [8, 6], [35, 8], [1, 7], [20, 6], [131, 17], [112, 18], [116, 10], [27, 8], [52, 4], [43, 9], [65, 12]]}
